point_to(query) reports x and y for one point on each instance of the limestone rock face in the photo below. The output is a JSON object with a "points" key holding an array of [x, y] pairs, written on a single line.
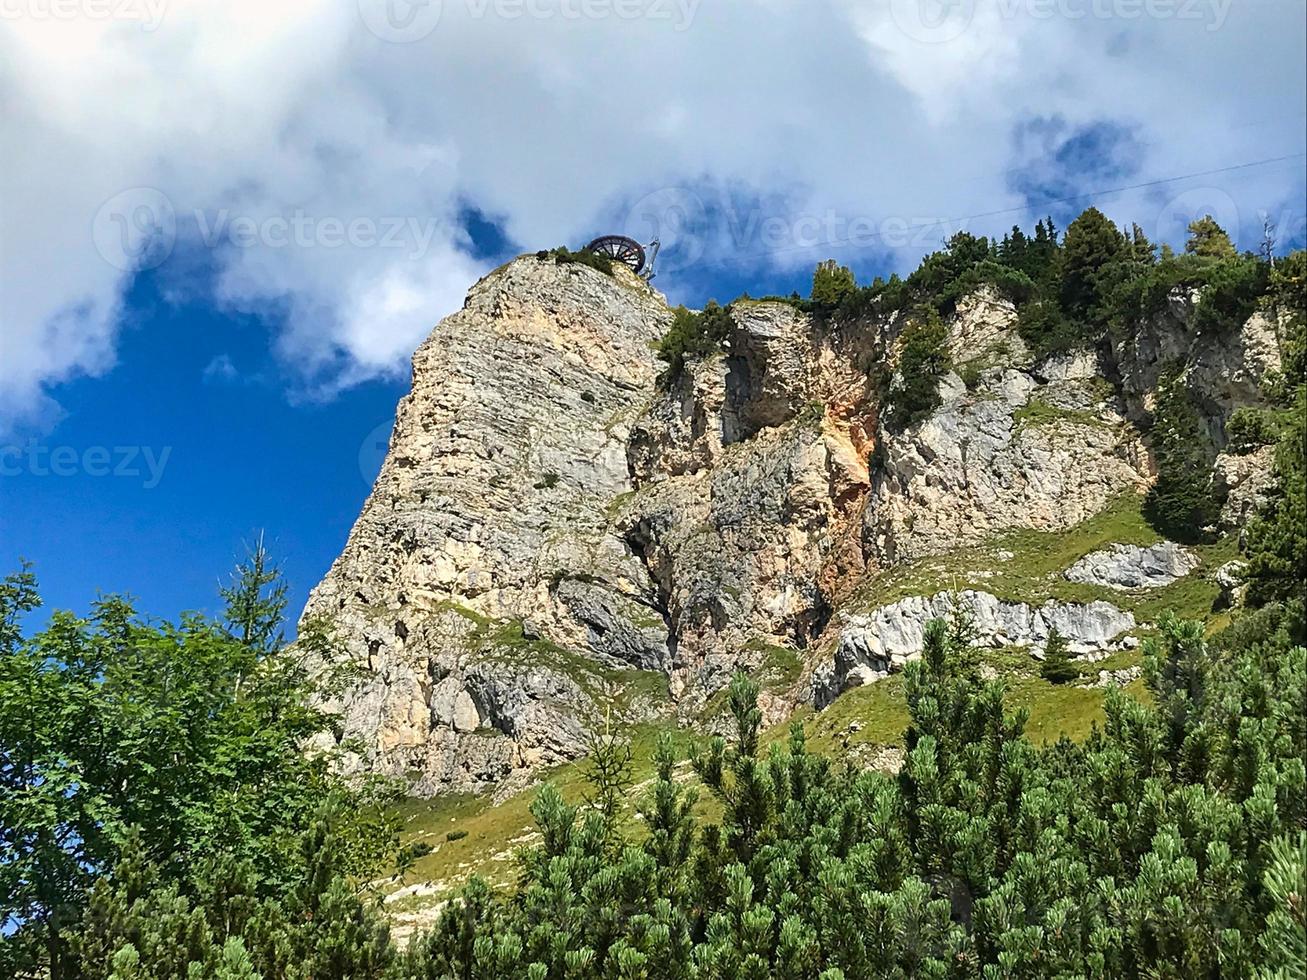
{"points": [[1126, 566], [1042, 447], [564, 529], [872, 645], [1221, 371], [1243, 481], [740, 550], [492, 508], [753, 470]]}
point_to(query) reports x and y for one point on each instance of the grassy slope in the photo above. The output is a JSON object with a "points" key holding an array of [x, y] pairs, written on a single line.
{"points": [[1034, 572], [877, 714]]}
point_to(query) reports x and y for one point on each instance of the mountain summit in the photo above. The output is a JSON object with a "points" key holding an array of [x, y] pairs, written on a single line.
{"points": [[567, 528]]}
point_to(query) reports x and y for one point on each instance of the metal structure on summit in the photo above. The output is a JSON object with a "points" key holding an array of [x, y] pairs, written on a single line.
{"points": [[638, 258]]}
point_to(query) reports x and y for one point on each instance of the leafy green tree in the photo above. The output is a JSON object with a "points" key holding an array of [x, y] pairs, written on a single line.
{"points": [[189, 736], [216, 921]]}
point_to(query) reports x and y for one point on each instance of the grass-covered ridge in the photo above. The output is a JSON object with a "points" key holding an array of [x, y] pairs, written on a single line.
{"points": [[1027, 566]]}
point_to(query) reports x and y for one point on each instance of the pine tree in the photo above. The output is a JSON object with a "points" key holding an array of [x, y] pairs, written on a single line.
{"points": [[669, 816], [736, 776], [1142, 251], [1090, 264], [1180, 503], [1209, 240], [832, 284], [608, 776], [256, 602], [1058, 667]]}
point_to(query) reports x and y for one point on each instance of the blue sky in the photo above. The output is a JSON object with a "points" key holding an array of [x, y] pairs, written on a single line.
{"points": [[225, 230]]}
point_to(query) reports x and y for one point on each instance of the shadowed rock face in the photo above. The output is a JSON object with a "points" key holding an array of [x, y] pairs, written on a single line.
{"points": [[558, 533]]}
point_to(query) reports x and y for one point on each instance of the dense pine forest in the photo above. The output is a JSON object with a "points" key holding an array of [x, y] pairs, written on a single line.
{"points": [[166, 810]]}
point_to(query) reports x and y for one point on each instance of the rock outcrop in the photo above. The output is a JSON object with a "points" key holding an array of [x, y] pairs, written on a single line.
{"points": [[753, 472], [1222, 371], [492, 509], [563, 528], [1128, 566], [1243, 482], [874, 644], [1038, 446]]}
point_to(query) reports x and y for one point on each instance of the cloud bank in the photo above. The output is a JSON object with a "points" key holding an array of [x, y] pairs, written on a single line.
{"points": [[312, 161]]}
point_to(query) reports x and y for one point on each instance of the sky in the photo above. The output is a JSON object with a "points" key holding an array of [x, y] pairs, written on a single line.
{"points": [[226, 224]]}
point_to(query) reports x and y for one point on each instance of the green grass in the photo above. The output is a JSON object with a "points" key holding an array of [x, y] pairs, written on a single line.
{"points": [[1034, 572], [880, 710], [503, 641], [780, 667], [494, 831], [1037, 412]]}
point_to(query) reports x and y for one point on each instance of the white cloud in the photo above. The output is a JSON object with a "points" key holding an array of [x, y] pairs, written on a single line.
{"points": [[323, 169], [220, 370]]}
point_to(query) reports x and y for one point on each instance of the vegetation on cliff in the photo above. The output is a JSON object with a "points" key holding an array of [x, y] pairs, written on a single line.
{"points": [[159, 823], [159, 817]]}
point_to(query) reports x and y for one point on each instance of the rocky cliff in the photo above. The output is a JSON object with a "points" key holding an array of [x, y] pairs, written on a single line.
{"points": [[563, 530]]}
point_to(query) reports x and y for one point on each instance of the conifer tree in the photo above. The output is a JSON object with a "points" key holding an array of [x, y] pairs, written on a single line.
{"points": [[1058, 667], [832, 284], [256, 602], [1209, 240]]}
